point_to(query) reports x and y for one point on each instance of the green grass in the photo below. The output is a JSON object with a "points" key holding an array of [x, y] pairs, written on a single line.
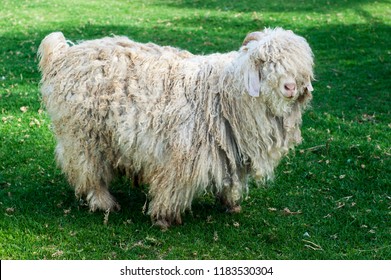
{"points": [[338, 179]]}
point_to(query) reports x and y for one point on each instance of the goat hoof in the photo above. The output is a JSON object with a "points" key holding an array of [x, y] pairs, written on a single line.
{"points": [[162, 224], [235, 209]]}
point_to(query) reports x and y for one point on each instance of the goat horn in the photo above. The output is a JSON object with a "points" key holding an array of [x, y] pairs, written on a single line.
{"points": [[252, 36]]}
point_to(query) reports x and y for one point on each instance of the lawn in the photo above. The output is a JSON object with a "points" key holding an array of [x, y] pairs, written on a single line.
{"points": [[331, 198]]}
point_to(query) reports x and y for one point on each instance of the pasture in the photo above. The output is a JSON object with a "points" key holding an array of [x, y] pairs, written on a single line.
{"points": [[330, 199]]}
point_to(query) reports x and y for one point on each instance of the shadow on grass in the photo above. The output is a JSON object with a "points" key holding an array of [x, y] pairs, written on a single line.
{"points": [[359, 54], [277, 6], [345, 56]]}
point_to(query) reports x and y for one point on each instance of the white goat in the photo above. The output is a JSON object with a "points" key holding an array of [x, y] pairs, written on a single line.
{"points": [[183, 123]]}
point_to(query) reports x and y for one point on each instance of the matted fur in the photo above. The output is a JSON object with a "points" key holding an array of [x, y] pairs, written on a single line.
{"points": [[183, 123]]}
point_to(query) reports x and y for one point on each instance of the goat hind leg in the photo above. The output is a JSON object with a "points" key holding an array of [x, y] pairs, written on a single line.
{"points": [[89, 177]]}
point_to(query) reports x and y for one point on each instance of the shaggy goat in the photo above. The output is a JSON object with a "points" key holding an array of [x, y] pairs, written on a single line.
{"points": [[183, 123]]}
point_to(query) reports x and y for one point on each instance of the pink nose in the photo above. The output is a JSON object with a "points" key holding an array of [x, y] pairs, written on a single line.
{"points": [[290, 86], [290, 89]]}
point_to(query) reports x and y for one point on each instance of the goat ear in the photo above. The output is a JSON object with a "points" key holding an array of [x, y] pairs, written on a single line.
{"points": [[252, 81], [309, 87], [307, 96]]}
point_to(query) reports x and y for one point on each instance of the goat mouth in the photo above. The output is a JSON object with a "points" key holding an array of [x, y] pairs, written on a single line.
{"points": [[290, 98]]}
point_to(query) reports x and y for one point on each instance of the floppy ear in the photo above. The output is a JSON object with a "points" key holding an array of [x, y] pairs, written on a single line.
{"points": [[307, 96], [252, 80], [309, 87]]}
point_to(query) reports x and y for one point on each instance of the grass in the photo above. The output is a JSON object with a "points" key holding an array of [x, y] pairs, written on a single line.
{"points": [[331, 198]]}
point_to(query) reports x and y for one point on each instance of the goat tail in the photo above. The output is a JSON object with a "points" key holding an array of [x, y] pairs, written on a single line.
{"points": [[50, 48]]}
